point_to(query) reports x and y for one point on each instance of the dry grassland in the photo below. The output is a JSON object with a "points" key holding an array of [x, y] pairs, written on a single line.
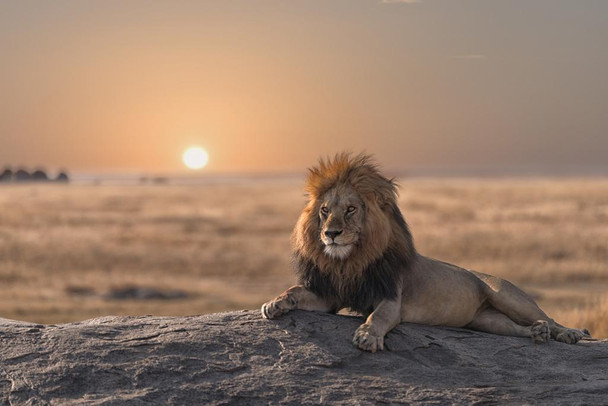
{"points": [[63, 248]]}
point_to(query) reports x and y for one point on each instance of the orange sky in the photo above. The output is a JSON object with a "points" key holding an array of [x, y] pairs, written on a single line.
{"points": [[271, 85]]}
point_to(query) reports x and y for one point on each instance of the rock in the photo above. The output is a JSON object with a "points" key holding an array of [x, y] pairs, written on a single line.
{"points": [[301, 358]]}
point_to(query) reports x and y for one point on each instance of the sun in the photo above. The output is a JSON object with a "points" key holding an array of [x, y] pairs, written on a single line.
{"points": [[195, 157]]}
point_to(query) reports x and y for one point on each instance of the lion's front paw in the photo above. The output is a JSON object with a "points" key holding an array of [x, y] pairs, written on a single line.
{"points": [[270, 310], [540, 331], [570, 336], [278, 306], [366, 340]]}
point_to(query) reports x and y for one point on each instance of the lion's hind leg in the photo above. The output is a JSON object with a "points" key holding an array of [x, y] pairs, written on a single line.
{"points": [[518, 306], [568, 335], [492, 321]]}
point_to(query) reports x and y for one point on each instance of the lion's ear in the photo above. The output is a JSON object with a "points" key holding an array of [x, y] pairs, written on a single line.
{"points": [[386, 193], [377, 199]]}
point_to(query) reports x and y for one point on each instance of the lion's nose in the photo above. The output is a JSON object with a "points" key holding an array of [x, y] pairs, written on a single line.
{"points": [[333, 234]]}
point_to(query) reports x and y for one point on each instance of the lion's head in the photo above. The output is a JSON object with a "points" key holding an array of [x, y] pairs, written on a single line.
{"points": [[351, 218]]}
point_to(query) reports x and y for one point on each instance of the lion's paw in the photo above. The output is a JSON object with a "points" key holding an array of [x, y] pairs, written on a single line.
{"points": [[278, 306], [540, 331], [270, 310], [570, 335], [366, 340]]}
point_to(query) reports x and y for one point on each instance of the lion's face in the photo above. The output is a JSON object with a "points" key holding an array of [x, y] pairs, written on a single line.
{"points": [[342, 214], [351, 218]]}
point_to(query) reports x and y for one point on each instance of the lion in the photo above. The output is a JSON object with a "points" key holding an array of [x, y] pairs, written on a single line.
{"points": [[353, 249]]}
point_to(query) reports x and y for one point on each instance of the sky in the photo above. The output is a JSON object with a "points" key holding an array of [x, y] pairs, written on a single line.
{"points": [[270, 86]]}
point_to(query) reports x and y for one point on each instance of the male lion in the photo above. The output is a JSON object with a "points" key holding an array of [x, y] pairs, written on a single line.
{"points": [[353, 249]]}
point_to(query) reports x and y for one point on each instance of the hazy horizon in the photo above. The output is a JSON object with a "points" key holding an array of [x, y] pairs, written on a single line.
{"points": [[183, 176], [270, 86]]}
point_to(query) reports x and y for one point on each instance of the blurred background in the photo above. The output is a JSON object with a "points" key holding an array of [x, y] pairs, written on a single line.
{"points": [[152, 153]]}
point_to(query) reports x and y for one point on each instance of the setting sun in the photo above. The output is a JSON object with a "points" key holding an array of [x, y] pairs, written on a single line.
{"points": [[195, 157]]}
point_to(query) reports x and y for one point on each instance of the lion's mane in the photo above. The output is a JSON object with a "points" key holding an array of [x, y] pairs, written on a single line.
{"points": [[385, 249]]}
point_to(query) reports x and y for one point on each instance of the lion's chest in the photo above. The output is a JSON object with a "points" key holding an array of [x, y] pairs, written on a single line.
{"points": [[361, 291]]}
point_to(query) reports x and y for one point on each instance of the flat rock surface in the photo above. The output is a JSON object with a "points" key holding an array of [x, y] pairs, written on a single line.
{"points": [[301, 358]]}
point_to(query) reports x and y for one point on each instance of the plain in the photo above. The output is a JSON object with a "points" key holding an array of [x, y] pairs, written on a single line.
{"points": [[71, 252]]}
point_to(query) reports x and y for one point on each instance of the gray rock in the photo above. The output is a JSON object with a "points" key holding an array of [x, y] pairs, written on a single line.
{"points": [[301, 358]]}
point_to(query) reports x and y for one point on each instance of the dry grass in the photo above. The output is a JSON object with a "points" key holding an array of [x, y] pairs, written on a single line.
{"points": [[227, 245]]}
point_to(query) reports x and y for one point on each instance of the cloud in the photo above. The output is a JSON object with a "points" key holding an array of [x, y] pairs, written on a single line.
{"points": [[469, 56], [400, 1]]}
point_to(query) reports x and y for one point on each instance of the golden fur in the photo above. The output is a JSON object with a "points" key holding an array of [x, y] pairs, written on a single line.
{"points": [[353, 249]]}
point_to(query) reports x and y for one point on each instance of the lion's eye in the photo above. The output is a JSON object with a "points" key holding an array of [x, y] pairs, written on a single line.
{"points": [[351, 209], [324, 210]]}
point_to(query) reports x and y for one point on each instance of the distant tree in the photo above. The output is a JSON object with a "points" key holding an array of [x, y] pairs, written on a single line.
{"points": [[40, 176], [62, 177], [22, 175], [6, 175], [160, 180]]}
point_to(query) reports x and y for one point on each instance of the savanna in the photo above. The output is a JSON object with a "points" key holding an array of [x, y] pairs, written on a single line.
{"points": [[66, 251]]}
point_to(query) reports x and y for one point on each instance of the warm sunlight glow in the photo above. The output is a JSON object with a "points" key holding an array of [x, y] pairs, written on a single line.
{"points": [[195, 157]]}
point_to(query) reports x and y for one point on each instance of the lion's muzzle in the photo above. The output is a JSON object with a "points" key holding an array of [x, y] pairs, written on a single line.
{"points": [[333, 234]]}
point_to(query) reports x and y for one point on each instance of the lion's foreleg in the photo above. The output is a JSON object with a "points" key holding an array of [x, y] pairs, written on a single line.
{"points": [[370, 335], [296, 297]]}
